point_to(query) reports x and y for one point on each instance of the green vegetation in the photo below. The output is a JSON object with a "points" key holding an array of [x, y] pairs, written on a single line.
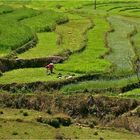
{"points": [[23, 23], [90, 59], [14, 125], [74, 33], [13, 34], [19, 14], [132, 94], [70, 36], [100, 49], [99, 85], [5, 9], [46, 46], [121, 48], [28, 75], [46, 21]]}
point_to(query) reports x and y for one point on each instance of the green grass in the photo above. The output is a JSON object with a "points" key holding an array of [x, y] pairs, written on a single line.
{"points": [[50, 4], [132, 94], [74, 33], [122, 49], [14, 114], [67, 36], [19, 14], [36, 131], [30, 129], [87, 133], [46, 46], [25, 130], [135, 39], [5, 9], [17, 32], [99, 85], [12, 33], [89, 60], [28, 75], [46, 21]]}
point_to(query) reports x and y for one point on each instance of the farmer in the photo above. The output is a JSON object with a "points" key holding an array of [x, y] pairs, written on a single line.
{"points": [[50, 67]]}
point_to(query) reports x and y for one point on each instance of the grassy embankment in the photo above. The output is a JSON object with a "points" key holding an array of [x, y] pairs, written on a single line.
{"points": [[69, 36], [13, 34], [122, 61], [99, 85], [14, 124], [89, 60], [90, 56], [22, 26], [121, 48]]}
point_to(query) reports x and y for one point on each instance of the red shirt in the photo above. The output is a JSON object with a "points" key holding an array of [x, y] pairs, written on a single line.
{"points": [[50, 66]]}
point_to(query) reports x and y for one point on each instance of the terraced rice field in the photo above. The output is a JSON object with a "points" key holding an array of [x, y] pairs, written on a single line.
{"points": [[69, 36], [121, 47], [96, 80], [17, 32], [90, 58], [100, 42]]}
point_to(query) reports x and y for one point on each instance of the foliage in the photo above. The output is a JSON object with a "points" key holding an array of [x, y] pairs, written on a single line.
{"points": [[5, 9], [46, 21], [13, 34], [69, 36], [90, 59], [17, 32], [132, 94], [123, 50], [28, 75]]}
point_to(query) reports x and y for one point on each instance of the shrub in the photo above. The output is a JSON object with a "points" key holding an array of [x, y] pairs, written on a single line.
{"points": [[26, 133], [19, 120], [58, 6], [39, 119], [1, 112], [63, 119], [101, 138], [96, 133], [54, 122], [14, 133], [49, 111], [25, 114]]}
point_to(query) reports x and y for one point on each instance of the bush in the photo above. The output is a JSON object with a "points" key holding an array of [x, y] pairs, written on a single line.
{"points": [[25, 114], [39, 119], [1, 112], [64, 120], [95, 133], [54, 122], [14, 133], [26, 133], [49, 111], [101, 138], [19, 120]]}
